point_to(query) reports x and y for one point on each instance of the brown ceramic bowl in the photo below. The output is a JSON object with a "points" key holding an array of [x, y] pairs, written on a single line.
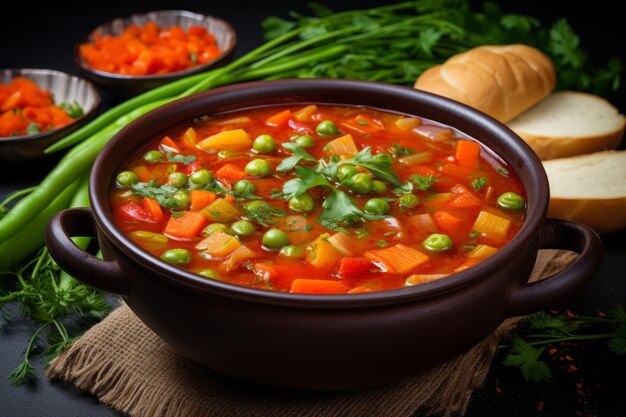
{"points": [[323, 342], [131, 85], [65, 88]]}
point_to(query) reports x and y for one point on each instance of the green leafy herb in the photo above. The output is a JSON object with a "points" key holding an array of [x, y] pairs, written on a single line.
{"points": [[526, 358], [379, 165], [276, 194], [423, 182], [162, 193], [399, 150], [502, 171], [307, 178], [479, 183], [33, 128], [299, 154], [473, 235], [179, 158], [339, 209], [264, 214], [382, 243], [74, 110]]}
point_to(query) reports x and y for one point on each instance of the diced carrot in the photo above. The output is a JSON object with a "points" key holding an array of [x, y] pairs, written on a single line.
{"points": [[152, 206], [457, 171], [353, 266], [200, 199], [237, 138], [446, 222], [305, 113], [417, 279], [169, 145], [142, 173], [398, 259], [318, 286], [492, 226], [322, 254], [220, 210], [465, 200], [344, 243], [264, 271], [343, 146], [230, 172], [239, 255], [218, 244], [467, 153], [279, 119], [185, 226]]}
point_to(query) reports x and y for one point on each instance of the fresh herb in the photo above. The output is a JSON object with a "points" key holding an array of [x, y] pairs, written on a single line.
{"points": [[307, 178], [339, 209], [73, 110], [399, 150], [32, 129], [299, 154], [262, 213], [543, 329], [179, 158], [423, 182], [473, 235], [276, 194], [479, 183], [162, 193], [503, 171], [382, 243], [379, 165]]}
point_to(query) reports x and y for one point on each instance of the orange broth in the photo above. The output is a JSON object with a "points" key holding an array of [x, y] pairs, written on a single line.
{"points": [[456, 181]]}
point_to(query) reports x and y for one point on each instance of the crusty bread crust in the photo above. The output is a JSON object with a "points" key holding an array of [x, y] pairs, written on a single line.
{"points": [[501, 81]]}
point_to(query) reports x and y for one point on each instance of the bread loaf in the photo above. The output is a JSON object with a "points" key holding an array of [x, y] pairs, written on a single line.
{"points": [[569, 123], [589, 189], [501, 81]]}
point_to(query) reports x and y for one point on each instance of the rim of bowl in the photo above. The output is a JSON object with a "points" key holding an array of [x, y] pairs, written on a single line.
{"points": [[87, 114], [80, 61], [534, 182]]}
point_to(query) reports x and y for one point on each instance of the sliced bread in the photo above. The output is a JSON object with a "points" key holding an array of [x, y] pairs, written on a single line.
{"points": [[589, 189], [569, 123]]}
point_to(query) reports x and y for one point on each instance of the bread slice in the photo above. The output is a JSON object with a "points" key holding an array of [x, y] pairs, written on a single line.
{"points": [[569, 123], [589, 189]]}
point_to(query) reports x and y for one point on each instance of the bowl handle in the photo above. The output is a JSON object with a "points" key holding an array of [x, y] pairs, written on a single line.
{"points": [[104, 275], [559, 234]]}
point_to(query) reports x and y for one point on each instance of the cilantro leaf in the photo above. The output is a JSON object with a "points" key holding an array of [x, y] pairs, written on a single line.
{"points": [[423, 182], [544, 321], [526, 357], [406, 188], [617, 343], [73, 110], [160, 192], [182, 159], [339, 209], [262, 213], [379, 165], [564, 44], [521, 23], [479, 183], [299, 154], [503, 171], [307, 178], [618, 313], [400, 150]]}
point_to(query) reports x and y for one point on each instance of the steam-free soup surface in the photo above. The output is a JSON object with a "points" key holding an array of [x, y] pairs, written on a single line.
{"points": [[318, 199]]}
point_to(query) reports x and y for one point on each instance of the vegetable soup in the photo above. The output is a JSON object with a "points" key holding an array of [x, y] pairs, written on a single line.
{"points": [[318, 199]]}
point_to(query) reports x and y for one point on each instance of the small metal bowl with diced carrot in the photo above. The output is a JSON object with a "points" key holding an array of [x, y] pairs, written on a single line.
{"points": [[131, 55], [39, 107]]}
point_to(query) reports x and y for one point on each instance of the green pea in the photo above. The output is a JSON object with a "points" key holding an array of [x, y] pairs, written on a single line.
{"points": [[346, 171], [264, 144], [215, 227], [359, 183], [292, 251], [177, 179], [176, 256], [126, 179], [377, 206], [301, 203], [511, 201], [244, 187], [201, 178], [256, 206], [209, 273], [243, 228], [275, 238], [306, 141], [258, 167], [183, 197], [408, 201], [379, 187], [327, 128], [153, 156], [437, 242]]}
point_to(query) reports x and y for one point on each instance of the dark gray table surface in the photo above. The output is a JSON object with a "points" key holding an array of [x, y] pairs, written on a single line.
{"points": [[44, 37]]}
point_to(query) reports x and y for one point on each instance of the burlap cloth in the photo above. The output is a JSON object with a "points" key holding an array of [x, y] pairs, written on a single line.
{"points": [[130, 369]]}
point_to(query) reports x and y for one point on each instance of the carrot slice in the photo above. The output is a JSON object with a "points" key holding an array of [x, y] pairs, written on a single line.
{"points": [[446, 222], [353, 266], [153, 207], [279, 119], [318, 286], [230, 172], [169, 145], [200, 199], [465, 200], [467, 153], [398, 259], [185, 226]]}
